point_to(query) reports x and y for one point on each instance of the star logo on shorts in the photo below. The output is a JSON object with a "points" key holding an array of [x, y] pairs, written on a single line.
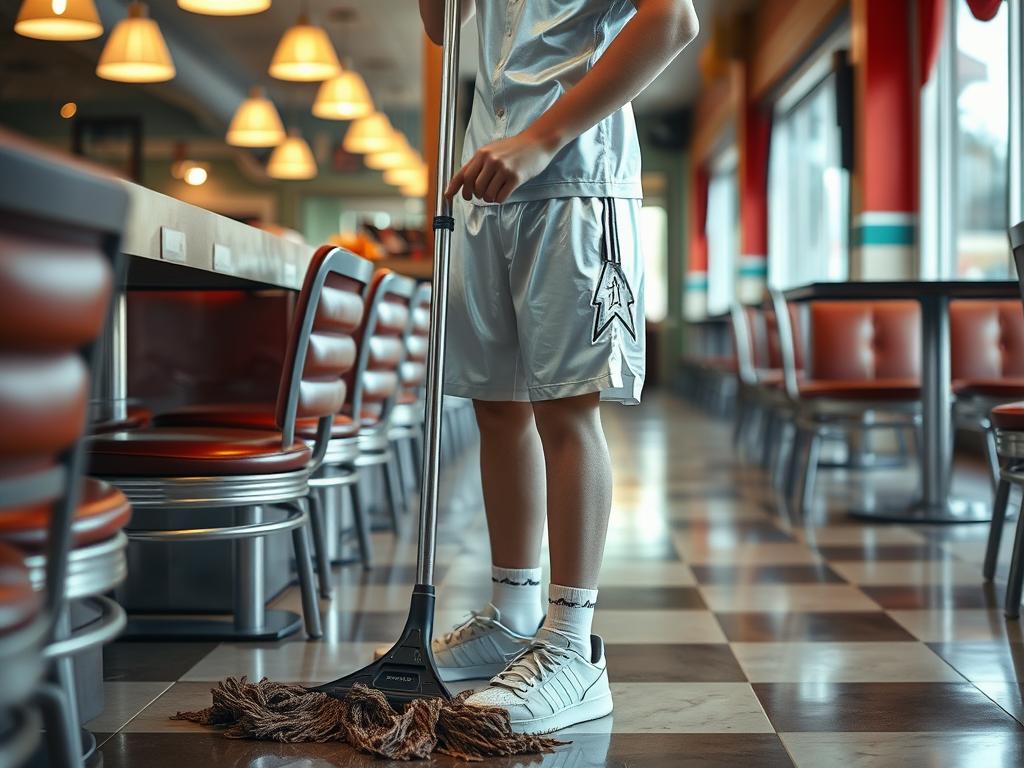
{"points": [[612, 300]]}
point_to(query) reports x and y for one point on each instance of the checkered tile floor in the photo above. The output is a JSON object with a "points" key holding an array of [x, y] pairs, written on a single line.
{"points": [[734, 637]]}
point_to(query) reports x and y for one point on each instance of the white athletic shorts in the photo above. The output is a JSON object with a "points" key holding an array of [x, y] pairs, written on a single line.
{"points": [[546, 300]]}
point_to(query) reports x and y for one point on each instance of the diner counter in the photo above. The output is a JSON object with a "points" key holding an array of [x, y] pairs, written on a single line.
{"points": [[178, 245]]}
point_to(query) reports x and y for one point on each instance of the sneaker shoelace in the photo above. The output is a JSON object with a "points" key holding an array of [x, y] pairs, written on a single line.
{"points": [[532, 665], [476, 623]]}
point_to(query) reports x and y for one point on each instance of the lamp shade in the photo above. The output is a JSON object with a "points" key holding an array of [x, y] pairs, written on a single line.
{"points": [[224, 7], [400, 177], [417, 188], [136, 51], [372, 133], [256, 123], [292, 159], [395, 156], [58, 20], [305, 54], [344, 97]]}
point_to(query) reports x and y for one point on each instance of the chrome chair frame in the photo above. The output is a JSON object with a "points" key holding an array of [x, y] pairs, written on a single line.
{"points": [[249, 495]]}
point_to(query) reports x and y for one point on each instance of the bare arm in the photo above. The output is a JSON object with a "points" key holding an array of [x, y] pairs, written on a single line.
{"points": [[432, 13], [648, 43]]}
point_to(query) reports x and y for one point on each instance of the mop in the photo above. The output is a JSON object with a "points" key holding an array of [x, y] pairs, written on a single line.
{"points": [[397, 707]]}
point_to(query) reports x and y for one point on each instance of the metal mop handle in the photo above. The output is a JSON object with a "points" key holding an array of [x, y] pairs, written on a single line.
{"points": [[443, 226]]}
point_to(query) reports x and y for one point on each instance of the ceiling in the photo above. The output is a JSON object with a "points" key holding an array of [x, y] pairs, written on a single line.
{"points": [[219, 58]]}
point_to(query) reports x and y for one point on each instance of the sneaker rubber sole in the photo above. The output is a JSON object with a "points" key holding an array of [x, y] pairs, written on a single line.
{"points": [[585, 711]]}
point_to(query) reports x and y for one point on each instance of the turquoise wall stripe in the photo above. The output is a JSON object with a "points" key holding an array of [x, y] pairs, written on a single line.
{"points": [[885, 234], [696, 282], [752, 269]]}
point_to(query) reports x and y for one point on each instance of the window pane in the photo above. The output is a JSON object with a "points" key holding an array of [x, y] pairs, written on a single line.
{"points": [[723, 239], [807, 203], [983, 90]]}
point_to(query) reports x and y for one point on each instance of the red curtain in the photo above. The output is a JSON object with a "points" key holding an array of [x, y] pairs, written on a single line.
{"points": [[930, 19], [984, 10]]}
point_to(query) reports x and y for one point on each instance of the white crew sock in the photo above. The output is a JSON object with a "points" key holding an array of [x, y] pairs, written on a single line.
{"points": [[571, 612], [515, 592]]}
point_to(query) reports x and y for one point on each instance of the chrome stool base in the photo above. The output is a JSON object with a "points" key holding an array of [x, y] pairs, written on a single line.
{"points": [[277, 625]]}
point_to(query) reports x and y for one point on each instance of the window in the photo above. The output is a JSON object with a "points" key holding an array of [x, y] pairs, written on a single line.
{"points": [[969, 190], [723, 231], [808, 190], [982, 143], [654, 241]]}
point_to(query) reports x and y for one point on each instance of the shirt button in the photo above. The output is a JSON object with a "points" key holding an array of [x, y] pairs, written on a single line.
{"points": [[500, 112]]}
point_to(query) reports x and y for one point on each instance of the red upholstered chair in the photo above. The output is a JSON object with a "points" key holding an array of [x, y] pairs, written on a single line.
{"points": [[1007, 421], [987, 356], [194, 469], [861, 374], [60, 544]]}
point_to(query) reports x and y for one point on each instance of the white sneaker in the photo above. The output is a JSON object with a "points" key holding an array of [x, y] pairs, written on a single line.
{"points": [[551, 686], [477, 649]]}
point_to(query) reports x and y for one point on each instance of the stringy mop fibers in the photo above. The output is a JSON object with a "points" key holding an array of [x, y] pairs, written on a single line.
{"points": [[364, 720]]}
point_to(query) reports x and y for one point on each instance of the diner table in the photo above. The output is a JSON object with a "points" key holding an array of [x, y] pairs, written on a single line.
{"points": [[936, 505]]}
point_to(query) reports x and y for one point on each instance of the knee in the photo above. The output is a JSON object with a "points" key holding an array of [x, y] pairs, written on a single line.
{"points": [[569, 421], [503, 417]]}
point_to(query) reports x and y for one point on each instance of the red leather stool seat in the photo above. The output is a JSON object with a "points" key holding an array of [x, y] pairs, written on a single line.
{"points": [[1009, 387], [862, 389], [102, 511], [19, 603], [184, 451], [1008, 416], [249, 416]]}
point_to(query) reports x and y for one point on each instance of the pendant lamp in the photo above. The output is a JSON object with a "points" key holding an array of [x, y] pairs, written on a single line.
{"points": [[136, 51], [372, 133], [58, 20], [395, 156], [224, 7], [344, 97], [400, 177], [305, 54], [292, 159], [256, 122]]}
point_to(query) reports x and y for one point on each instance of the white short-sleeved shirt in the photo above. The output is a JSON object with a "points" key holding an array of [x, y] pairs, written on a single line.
{"points": [[533, 51]]}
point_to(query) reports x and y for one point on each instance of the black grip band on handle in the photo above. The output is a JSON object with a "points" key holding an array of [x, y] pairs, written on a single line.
{"points": [[444, 222]]}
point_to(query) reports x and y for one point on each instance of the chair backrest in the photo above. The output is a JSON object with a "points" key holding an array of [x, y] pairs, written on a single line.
{"points": [[413, 372], [374, 380], [60, 230], [322, 345], [986, 339], [758, 336], [864, 340]]}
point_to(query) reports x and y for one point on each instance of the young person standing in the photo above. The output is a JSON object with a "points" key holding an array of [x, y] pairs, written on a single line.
{"points": [[545, 321]]}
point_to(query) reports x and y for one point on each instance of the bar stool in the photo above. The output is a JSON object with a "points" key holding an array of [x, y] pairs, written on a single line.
{"points": [[199, 468], [1008, 423], [987, 356], [406, 431], [60, 227], [862, 374]]}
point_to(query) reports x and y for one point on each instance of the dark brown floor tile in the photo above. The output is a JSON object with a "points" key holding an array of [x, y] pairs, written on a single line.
{"points": [[742, 531], [650, 598], [857, 626], [984, 661], [817, 573], [654, 663], [656, 750], [882, 707], [875, 552], [936, 596], [152, 661]]}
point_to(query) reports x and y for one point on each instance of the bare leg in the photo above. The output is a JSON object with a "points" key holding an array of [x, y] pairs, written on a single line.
{"points": [[512, 473], [579, 487]]}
